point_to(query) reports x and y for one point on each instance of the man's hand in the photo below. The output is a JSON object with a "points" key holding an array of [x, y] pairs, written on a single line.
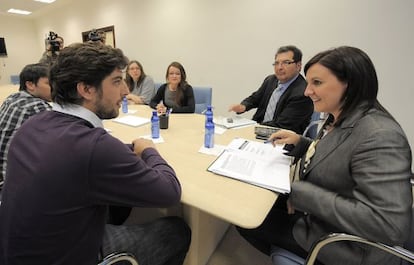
{"points": [[141, 144], [238, 108]]}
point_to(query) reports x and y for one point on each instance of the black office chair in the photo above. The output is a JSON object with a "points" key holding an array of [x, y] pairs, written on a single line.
{"points": [[398, 251], [281, 256], [123, 257]]}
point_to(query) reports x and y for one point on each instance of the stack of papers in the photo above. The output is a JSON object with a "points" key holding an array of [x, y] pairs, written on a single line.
{"points": [[232, 122], [132, 120], [254, 162]]}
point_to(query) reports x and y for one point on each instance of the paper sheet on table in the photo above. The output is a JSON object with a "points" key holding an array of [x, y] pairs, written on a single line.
{"points": [[155, 141], [215, 151], [132, 111], [131, 120], [236, 121], [219, 130]]}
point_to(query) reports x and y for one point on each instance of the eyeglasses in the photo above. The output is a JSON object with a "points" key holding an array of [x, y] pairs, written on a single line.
{"points": [[283, 63]]}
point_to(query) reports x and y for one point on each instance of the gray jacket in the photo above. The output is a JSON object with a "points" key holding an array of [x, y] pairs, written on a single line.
{"points": [[358, 182]]}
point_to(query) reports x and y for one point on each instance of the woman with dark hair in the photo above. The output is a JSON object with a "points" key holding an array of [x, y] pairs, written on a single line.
{"points": [[354, 178], [176, 94], [140, 85]]}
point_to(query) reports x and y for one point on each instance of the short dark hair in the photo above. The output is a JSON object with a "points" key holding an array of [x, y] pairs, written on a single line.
{"points": [[32, 73], [297, 54], [353, 67], [82, 62]]}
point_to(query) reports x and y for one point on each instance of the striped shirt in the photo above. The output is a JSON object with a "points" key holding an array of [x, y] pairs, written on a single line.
{"points": [[15, 110]]}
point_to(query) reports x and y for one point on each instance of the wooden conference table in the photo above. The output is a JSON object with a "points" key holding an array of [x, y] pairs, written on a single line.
{"points": [[210, 202]]}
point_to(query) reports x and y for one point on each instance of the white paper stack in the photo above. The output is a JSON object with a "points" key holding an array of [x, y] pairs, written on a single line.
{"points": [[255, 162], [132, 120]]}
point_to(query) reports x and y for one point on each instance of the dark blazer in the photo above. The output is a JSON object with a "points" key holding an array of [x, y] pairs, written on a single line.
{"points": [[293, 110], [187, 103], [358, 182]]}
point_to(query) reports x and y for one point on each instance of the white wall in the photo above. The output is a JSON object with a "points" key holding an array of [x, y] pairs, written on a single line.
{"points": [[230, 44], [20, 37]]}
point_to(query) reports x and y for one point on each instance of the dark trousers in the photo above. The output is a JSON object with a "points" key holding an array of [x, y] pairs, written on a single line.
{"points": [[164, 241], [117, 215], [275, 230]]}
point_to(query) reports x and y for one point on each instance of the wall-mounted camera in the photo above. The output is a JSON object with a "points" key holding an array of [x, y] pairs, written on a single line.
{"points": [[105, 36], [94, 35]]}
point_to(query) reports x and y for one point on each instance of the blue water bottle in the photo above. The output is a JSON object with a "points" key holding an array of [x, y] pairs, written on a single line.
{"points": [[155, 125], [124, 105], [209, 133]]}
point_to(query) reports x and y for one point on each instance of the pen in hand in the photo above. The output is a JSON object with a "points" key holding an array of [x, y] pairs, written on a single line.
{"points": [[272, 140], [284, 137], [161, 108]]}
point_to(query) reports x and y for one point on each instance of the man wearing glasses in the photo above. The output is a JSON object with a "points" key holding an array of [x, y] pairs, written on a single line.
{"points": [[280, 100]]}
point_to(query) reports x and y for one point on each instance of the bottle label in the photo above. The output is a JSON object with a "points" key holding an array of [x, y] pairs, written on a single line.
{"points": [[125, 105], [209, 138], [155, 126], [155, 130]]}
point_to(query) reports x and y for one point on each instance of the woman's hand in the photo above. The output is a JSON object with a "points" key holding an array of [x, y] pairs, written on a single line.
{"points": [[284, 137], [161, 108]]}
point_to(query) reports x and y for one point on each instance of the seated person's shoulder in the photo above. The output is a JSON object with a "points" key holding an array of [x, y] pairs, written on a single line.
{"points": [[149, 79], [270, 78]]}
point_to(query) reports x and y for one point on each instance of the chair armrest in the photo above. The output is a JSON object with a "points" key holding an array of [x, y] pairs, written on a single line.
{"points": [[116, 257], [334, 237]]}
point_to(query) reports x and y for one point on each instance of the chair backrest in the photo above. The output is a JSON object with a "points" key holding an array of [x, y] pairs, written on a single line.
{"points": [[202, 96], [156, 86], [312, 130], [15, 79]]}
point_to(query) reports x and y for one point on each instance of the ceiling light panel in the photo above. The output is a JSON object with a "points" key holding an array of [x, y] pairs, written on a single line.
{"points": [[19, 11], [45, 1]]}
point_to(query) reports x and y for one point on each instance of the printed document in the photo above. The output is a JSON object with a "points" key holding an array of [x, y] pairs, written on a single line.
{"points": [[255, 162]]}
